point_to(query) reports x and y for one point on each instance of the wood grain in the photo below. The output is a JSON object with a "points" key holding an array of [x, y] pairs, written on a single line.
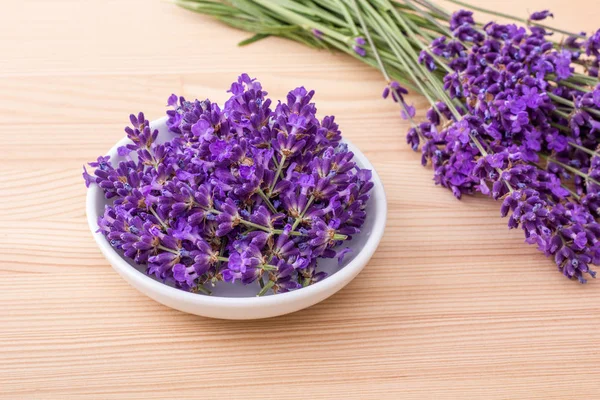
{"points": [[452, 306]]}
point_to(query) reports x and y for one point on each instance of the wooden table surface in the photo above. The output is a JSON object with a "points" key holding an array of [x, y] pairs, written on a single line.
{"points": [[452, 306]]}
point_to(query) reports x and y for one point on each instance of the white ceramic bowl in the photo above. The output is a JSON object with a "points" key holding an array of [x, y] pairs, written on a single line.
{"points": [[237, 301]]}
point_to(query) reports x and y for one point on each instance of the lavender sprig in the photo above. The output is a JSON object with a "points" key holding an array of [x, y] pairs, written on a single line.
{"points": [[513, 114]]}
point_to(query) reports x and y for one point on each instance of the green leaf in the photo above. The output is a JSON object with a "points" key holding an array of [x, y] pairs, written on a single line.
{"points": [[255, 38]]}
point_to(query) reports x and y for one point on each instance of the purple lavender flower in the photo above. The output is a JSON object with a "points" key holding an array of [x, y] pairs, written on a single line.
{"points": [[89, 179], [540, 15], [359, 50], [460, 18], [396, 90], [531, 96], [408, 113], [513, 140], [284, 278], [596, 95], [172, 101], [242, 193], [562, 64], [426, 59], [592, 45], [360, 41], [558, 230]]}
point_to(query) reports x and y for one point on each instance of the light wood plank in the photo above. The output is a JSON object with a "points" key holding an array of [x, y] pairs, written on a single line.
{"points": [[452, 306]]}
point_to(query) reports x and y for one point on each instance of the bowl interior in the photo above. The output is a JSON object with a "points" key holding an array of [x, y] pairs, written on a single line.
{"points": [[370, 231]]}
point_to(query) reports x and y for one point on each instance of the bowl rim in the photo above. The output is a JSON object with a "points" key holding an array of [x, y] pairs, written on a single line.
{"points": [[342, 276]]}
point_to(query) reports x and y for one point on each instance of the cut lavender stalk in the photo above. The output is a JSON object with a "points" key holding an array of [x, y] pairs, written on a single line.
{"points": [[514, 114], [240, 193], [503, 78]]}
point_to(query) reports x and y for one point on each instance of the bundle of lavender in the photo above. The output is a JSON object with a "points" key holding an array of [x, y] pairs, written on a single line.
{"points": [[515, 112]]}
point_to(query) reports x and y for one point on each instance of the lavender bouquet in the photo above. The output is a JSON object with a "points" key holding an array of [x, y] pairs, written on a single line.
{"points": [[242, 193], [515, 115]]}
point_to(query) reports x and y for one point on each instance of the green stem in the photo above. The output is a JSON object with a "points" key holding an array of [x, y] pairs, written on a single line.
{"points": [[571, 169], [294, 233], [431, 19], [268, 267], [569, 103], [297, 221], [348, 17], [167, 249], [435, 8], [371, 43], [560, 100], [409, 56], [561, 114], [568, 84], [160, 221], [560, 127], [572, 193], [398, 74], [306, 23], [408, 27], [399, 54], [221, 252], [204, 290], [266, 200], [370, 40], [265, 288], [274, 231], [279, 168], [584, 149], [382, 68], [264, 267], [253, 225]]}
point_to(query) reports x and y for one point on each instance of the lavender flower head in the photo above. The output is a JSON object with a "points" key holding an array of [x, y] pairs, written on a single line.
{"points": [[359, 46], [512, 138], [244, 192], [540, 15]]}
